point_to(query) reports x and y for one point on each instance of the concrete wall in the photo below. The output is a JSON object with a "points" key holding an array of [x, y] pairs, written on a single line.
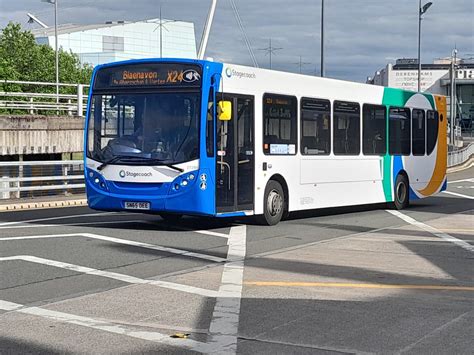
{"points": [[40, 134]]}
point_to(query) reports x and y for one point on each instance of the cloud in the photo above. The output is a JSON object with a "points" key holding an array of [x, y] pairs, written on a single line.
{"points": [[360, 35]]}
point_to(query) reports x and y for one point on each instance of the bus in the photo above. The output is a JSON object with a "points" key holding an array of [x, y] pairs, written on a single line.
{"points": [[181, 137]]}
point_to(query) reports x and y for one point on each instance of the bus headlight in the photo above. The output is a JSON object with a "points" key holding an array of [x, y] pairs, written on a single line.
{"points": [[97, 179], [183, 182]]}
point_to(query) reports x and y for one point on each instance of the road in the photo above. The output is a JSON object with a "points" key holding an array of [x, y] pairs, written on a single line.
{"points": [[357, 280]]}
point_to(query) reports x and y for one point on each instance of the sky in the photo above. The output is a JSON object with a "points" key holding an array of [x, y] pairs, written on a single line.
{"points": [[361, 36]]}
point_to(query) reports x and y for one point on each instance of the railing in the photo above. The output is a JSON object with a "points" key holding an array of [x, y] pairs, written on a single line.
{"points": [[461, 156], [28, 96], [41, 178]]}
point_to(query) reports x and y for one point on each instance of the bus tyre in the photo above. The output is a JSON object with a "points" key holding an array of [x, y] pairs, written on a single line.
{"points": [[402, 192], [273, 203], [171, 217]]}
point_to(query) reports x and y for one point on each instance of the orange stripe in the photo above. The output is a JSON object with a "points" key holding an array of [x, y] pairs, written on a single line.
{"points": [[439, 173]]}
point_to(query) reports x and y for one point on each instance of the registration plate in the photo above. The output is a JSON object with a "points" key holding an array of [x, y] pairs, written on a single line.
{"points": [[137, 205]]}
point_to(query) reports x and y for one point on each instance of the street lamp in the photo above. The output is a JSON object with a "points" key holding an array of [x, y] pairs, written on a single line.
{"points": [[323, 69], [55, 3], [421, 12]]}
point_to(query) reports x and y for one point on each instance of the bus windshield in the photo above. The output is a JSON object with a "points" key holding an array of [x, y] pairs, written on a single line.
{"points": [[157, 126]]}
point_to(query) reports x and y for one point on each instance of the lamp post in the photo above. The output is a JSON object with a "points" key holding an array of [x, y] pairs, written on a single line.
{"points": [[323, 69], [421, 12], [453, 99], [55, 3]]}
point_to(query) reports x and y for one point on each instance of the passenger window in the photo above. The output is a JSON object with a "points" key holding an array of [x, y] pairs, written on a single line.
{"points": [[418, 132], [346, 128], [280, 124], [315, 127], [431, 131], [374, 130], [399, 131]]}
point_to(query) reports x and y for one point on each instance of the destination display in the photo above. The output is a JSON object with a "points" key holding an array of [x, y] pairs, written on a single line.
{"points": [[149, 75]]}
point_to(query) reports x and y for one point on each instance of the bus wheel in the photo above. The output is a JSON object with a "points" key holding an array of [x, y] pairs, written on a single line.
{"points": [[273, 203], [171, 217], [402, 191]]}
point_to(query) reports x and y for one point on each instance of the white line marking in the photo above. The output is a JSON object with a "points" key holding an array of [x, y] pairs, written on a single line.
{"points": [[225, 318], [458, 195], [59, 217], [464, 180], [113, 275], [122, 241], [71, 224], [433, 333], [105, 326], [206, 232], [434, 231]]}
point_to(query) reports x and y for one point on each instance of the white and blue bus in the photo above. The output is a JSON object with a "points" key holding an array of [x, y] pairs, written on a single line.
{"points": [[190, 137]]}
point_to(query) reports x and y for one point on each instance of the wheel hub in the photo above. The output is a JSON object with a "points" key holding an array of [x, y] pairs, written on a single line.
{"points": [[274, 203]]}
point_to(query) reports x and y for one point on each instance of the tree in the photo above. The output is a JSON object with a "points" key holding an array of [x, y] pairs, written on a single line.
{"points": [[21, 58]]}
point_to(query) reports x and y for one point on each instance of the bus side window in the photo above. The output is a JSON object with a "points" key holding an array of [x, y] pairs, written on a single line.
{"points": [[399, 131], [374, 130], [315, 126], [279, 124], [210, 124], [431, 131], [418, 132], [346, 128]]}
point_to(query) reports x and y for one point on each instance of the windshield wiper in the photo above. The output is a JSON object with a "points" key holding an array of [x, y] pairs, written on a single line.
{"points": [[162, 162], [137, 160], [114, 160]]}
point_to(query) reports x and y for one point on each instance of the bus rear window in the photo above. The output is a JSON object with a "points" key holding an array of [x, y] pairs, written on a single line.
{"points": [[431, 131]]}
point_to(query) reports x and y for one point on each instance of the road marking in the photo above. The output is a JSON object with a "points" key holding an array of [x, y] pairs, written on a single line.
{"points": [[224, 325], [434, 231], [202, 231], [356, 285], [123, 241], [435, 332], [458, 195], [72, 224], [105, 326], [113, 275], [459, 230], [458, 181], [59, 217]]}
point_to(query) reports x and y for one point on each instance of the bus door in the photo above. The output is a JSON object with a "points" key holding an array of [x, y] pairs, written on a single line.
{"points": [[235, 156]]}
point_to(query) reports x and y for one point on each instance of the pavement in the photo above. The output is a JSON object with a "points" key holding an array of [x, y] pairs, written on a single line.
{"points": [[347, 280]]}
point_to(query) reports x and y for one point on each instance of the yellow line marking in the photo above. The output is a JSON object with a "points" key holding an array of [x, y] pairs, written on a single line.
{"points": [[356, 285]]}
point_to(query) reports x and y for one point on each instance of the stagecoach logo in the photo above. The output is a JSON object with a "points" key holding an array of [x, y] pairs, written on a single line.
{"points": [[124, 174], [190, 76], [229, 72]]}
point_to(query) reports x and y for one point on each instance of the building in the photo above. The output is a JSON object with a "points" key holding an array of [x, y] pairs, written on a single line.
{"points": [[435, 78], [116, 41]]}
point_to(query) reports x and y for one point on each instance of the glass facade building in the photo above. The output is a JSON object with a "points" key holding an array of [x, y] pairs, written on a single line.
{"points": [[117, 41]]}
